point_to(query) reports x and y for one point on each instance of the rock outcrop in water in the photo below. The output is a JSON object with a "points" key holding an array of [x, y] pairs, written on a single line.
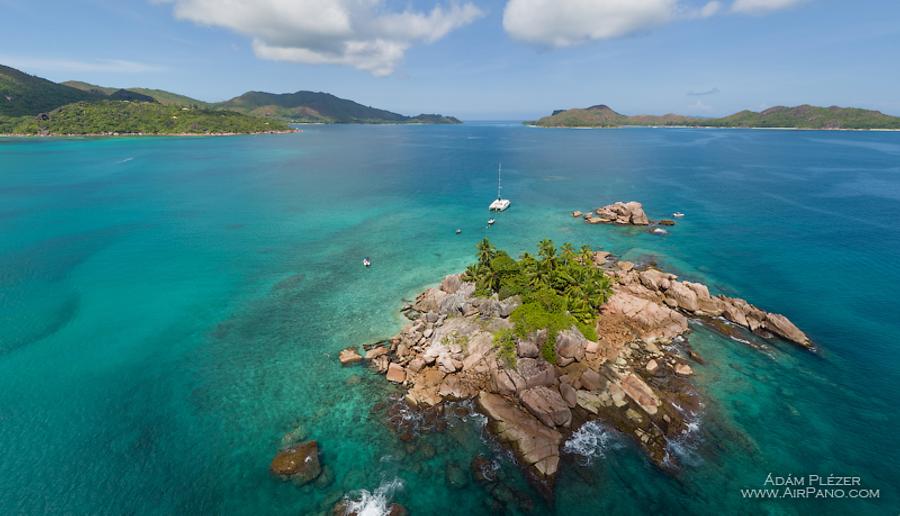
{"points": [[627, 213], [634, 377], [298, 463]]}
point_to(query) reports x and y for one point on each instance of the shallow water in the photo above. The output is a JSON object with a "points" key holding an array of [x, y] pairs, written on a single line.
{"points": [[171, 307]]}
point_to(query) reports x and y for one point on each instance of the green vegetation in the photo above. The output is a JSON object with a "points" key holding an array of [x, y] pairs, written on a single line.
{"points": [[318, 107], [505, 342], [799, 117], [23, 94], [559, 289], [455, 338], [124, 117], [163, 97]]}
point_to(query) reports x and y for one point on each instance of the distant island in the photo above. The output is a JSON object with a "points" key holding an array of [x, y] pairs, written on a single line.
{"points": [[124, 117], [31, 105], [319, 107], [780, 117]]}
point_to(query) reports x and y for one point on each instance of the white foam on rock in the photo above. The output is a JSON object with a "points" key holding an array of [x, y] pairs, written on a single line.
{"points": [[590, 441], [373, 503]]}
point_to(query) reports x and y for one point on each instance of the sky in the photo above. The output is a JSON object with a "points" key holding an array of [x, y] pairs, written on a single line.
{"points": [[476, 59]]}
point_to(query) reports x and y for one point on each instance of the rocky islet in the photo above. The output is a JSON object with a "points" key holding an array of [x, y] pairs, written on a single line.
{"points": [[635, 377]]}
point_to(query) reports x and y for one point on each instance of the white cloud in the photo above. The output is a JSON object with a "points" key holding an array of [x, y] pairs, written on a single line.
{"points": [[359, 33], [710, 9], [76, 65], [762, 6], [562, 23]]}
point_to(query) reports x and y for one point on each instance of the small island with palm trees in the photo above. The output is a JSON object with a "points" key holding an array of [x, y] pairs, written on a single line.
{"points": [[547, 342]]}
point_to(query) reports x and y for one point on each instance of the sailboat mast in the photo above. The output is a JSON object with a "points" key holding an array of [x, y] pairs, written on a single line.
{"points": [[499, 167]]}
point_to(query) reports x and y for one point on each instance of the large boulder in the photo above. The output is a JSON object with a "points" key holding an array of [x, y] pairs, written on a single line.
{"points": [[623, 213], [536, 444], [451, 283], [299, 463], [376, 352], [547, 405], [530, 346], [396, 373], [425, 387], [683, 296], [656, 280], [783, 327], [568, 394], [430, 300], [652, 321], [570, 345], [706, 304], [591, 380], [536, 372], [349, 356], [641, 393]]}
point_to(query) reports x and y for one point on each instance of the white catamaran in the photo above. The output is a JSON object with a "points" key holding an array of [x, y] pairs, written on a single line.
{"points": [[500, 204]]}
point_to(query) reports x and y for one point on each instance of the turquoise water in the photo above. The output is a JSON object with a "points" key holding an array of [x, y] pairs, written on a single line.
{"points": [[171, 307]]}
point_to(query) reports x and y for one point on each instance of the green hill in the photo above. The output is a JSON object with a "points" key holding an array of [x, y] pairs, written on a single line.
{"points": [[309, 106], [23, 94], [126, 117], [161, 96], [170, 99], [799, 117]]}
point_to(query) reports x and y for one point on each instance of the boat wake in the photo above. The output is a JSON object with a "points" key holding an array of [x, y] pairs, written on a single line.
{"points": [[126, 160]]}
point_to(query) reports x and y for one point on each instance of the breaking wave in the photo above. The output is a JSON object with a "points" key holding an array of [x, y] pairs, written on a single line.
{"points": [[590, 441], [373, 503]]}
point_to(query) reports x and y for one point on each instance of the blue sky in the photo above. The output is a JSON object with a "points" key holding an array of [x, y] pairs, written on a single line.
{"points": [[476, 59]]}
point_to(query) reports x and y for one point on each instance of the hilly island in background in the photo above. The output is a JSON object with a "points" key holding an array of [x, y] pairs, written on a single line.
{"points": [[31, 105]]}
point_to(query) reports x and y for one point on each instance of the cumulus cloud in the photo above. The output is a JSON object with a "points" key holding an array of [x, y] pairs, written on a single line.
{"points": [[361, 33], [562, 23], [710, 9], [761, 6]]}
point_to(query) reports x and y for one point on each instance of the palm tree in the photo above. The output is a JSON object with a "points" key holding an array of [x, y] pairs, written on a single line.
{"points": [[547, 252], [568, 252], [485, 252], [586, 255]]}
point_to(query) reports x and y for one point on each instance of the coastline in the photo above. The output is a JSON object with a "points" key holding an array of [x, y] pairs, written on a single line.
{"points": [[632, 373], [121, 135], [886, 130]]}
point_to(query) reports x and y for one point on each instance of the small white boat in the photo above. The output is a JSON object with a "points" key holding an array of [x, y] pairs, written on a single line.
{"points": [[458, 231], [660, 231], [678, 214], [499, 203], [367, 262], [491, 222]]}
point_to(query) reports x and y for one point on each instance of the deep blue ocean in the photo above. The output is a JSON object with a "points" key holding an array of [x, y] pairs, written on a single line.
{"points": [[171, 307]]}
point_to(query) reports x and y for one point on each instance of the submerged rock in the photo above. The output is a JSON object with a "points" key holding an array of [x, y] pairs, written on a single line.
{"points": [[299, 463]]}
